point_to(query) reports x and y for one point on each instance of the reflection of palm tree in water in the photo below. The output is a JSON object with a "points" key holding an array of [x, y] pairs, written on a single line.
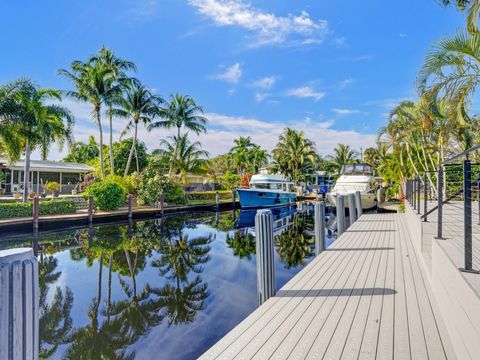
{"points": [[242, 243], [293, 245], [179, 256]]}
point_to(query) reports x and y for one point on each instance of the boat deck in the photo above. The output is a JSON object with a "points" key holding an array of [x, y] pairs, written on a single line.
{"points": [[366, 297]]}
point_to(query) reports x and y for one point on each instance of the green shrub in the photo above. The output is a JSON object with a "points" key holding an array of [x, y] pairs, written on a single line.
{"points": [[209, 195], [107, 195], [52, 186], [50, 207], [150, 187]]}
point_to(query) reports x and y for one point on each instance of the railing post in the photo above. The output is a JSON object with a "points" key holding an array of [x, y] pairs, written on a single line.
{"points": [[265, 255], [351, 208], [419, 186], [425, 196], [440, 202], [340, 214], [358, 203], [414, 194], [90, 209], [36, 212], [467, 215], [319, 227]]}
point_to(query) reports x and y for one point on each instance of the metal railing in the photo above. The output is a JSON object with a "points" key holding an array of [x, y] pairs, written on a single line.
{"points": [[458, 185]]}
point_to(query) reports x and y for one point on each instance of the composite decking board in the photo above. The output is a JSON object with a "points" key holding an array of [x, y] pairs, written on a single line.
{"points": [[300, 328], [324, 324], [342, 306], [290, 314], [418, 346], [433, 340], [359, 330], [301, 317], [351, 311], [239, 336]]}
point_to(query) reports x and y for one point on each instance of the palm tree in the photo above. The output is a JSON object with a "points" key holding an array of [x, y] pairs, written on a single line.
{"points": [[295, 155], [183, 156], [181, 111], [118, 81], [342, 155], [34, 123], [246, 156], [93, 84], [138, 105], [472, 8], [81, 152]]}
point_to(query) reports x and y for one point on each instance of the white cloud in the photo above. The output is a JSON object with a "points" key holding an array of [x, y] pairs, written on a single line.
{"points": [[231, 75], [306, 92], [267, 28], [345, 111], [265, 83], [259, 97], [139, 9], [345, 83]]}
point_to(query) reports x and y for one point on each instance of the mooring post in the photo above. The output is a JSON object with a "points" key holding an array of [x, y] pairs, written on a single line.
{"points": [[130, 203], [233, 197], [217, 199], [358, 203], [36, 212], [90, 209], [352, 208], [467, 215], [425, 196], [265, 255], [340, 215], [319, 226], [19, 304], [161, 201], [440, 201]]}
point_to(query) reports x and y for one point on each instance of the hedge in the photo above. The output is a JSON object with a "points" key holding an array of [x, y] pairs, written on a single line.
{"points": [[209, 195], [49, 207]]}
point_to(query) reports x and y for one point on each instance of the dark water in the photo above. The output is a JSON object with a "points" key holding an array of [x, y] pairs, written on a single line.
{"points": [[156, 289]]}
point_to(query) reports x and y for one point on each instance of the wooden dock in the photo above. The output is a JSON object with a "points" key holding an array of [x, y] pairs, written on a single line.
{"points": [[366, 297]]}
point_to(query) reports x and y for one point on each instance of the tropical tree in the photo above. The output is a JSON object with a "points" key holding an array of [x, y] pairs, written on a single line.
{"points": [[116, 84], [472, 8], [92, 81], [295, 155], [245, 156], [36, 124], [183, 156], [181, 111], [342, 155], [81, 152], [138, 105]]}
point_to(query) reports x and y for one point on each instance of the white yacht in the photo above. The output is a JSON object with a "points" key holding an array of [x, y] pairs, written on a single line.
{"points": [[356, 177]]}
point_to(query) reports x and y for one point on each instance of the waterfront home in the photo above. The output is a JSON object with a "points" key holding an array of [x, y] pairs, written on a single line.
{"points": [[68, 175]]}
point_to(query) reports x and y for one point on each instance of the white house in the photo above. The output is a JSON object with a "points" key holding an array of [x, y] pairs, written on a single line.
{"points": [[69, 175]]}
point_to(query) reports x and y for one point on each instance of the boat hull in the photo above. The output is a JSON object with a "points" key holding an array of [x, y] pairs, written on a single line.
{"points": [[369, 201], [254, 198]]}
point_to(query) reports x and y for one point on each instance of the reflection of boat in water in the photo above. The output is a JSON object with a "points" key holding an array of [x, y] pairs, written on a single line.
{"points": [[282, 217], [356, 177], [267, 191]]}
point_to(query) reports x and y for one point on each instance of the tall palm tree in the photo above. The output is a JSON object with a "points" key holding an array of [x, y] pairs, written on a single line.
{"points": [[35, 124], [138, 105], [342, 155], [295, 155], [118, 81], [472, 8], [93, 84], [183, 156]]}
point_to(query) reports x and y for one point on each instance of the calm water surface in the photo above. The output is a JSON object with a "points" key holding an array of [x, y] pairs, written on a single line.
{"points": [[156, 289]]}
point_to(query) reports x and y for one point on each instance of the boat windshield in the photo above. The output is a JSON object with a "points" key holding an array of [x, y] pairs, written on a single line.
{"points": [[356, 169]]}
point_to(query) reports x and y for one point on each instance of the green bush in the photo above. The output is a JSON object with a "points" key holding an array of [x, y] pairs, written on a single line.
{"points": [[50, 207], [209, 195], [107, 195], [150, 187]]}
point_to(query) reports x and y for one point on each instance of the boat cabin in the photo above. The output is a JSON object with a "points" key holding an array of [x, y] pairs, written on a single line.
{"points": [[271, 182], [357, 169]]}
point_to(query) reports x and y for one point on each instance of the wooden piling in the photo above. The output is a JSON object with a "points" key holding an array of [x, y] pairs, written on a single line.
{"points": [[36, 211], [265, 255], [358, 203], [90, 209], [319, 227], [130, 201], [352, 211]]}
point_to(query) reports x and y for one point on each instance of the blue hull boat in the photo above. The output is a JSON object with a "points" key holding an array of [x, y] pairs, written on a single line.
{"points": [[256, 198]]}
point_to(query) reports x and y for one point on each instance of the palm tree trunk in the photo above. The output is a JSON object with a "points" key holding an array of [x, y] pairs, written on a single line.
{"points": [[109, 296], [26, 175], [136, 160], [99, 122], [112, 163], [129, 161], [99, 293]]}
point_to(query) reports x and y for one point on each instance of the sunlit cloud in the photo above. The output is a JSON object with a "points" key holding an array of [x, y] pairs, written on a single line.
{"points": [[265, 83], [345, 112], [306, 92], [231, 74]]}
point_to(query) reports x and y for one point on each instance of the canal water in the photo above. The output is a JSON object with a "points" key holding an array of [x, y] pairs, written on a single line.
{"points": [[156, 289]]}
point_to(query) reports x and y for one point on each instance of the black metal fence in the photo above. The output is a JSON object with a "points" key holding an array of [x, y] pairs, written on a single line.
{"points": [[450, 197]]}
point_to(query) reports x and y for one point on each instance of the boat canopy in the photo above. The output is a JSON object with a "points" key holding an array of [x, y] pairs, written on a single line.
{"points": [[265, 178], [356, 169]]}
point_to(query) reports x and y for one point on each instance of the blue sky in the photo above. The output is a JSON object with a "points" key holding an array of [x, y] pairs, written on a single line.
{"points": [[330, 68]]}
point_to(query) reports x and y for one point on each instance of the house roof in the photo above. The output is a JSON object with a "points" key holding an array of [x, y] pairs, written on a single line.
{"points": [[47, 166]]}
